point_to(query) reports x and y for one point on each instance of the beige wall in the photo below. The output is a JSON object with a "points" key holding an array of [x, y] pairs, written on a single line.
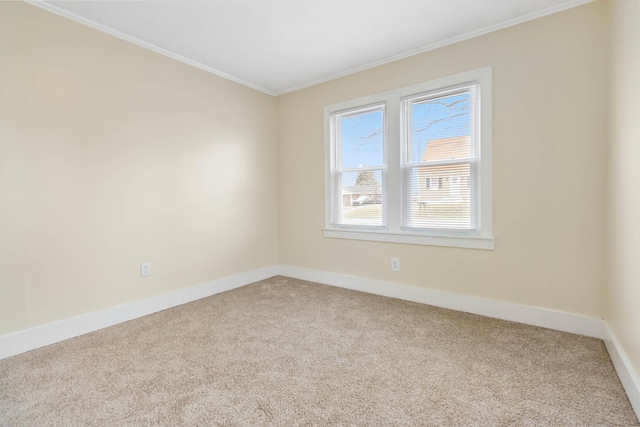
{"points": [[111, 155], [549, 145], [623, 309]]}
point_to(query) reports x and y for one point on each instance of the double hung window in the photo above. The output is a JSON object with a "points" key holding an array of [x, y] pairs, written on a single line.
{"points": [[412, 165], [359, 167]]}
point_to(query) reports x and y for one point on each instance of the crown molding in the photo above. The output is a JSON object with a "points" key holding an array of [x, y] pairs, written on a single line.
{"points": [[103, 28], [482, 31]]}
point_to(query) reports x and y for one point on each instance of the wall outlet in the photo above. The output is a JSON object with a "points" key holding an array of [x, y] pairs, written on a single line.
{"points": [[395, 264], [145, 269]]}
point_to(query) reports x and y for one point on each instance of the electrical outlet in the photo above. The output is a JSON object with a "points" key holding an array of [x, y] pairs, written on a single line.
{"points": [[395, 264], [145, 269]]}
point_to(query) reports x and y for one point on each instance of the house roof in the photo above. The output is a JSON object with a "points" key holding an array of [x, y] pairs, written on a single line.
{"points": [[458, 147]]}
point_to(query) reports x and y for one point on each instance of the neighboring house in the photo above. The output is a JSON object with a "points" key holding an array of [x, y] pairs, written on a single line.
{"points": [[445, 183], [352, 192]]}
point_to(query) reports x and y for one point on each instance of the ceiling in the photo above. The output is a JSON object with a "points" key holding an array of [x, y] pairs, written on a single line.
{"points": [[277, 46]]}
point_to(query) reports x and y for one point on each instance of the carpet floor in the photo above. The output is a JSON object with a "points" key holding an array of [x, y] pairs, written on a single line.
{"points": [[286, 352]]}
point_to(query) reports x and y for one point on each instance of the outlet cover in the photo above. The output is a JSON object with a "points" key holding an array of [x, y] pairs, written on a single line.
{"points": [[395, 264], [145, 269]]}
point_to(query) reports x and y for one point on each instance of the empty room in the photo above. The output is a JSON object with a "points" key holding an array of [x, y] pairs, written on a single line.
{"points": [[320, 212]]}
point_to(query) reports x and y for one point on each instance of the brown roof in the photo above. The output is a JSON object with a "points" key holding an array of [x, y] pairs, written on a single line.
{"points": [[458, 147]]}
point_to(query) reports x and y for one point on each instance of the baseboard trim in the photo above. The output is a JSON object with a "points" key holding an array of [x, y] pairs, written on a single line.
{"points": [[40, 336], [628, 377], [536, 316]]}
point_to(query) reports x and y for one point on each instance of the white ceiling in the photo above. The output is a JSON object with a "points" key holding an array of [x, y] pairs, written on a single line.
{"points": [[277, 46]]}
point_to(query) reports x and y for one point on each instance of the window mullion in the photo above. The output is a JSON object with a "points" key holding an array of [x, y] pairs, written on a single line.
{"points": [[393, 173]]}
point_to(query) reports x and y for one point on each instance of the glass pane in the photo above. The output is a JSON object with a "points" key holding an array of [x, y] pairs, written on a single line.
{"points": [[361, 138], [441, 197], [441, 128], [362, 198]]}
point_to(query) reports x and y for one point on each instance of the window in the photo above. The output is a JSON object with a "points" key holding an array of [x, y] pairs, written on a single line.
{"points": [[433, 183], [412, 165], [359, 167], [439, 138]]}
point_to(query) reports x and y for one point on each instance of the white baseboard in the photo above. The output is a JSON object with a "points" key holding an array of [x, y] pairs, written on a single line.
{"points": [[40, 336], [536, 316], [628, 377]]}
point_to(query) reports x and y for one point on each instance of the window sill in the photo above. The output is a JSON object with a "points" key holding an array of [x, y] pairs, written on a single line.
{"points": [[470, 242]]}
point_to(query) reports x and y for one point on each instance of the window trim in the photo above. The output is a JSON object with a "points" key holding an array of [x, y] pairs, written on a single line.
{"points": [[482, 238]]}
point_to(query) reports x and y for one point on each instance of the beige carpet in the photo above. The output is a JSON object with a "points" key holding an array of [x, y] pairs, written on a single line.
{"points": [[289, 353]]}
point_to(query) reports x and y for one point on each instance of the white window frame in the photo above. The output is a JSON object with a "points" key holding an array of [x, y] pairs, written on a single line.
{"points": [[337, 167], [482, 236]]}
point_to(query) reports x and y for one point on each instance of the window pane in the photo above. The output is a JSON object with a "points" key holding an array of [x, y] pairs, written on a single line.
{"points": [[361, 138], [441, 128], [441, 197], [361, 198]]}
